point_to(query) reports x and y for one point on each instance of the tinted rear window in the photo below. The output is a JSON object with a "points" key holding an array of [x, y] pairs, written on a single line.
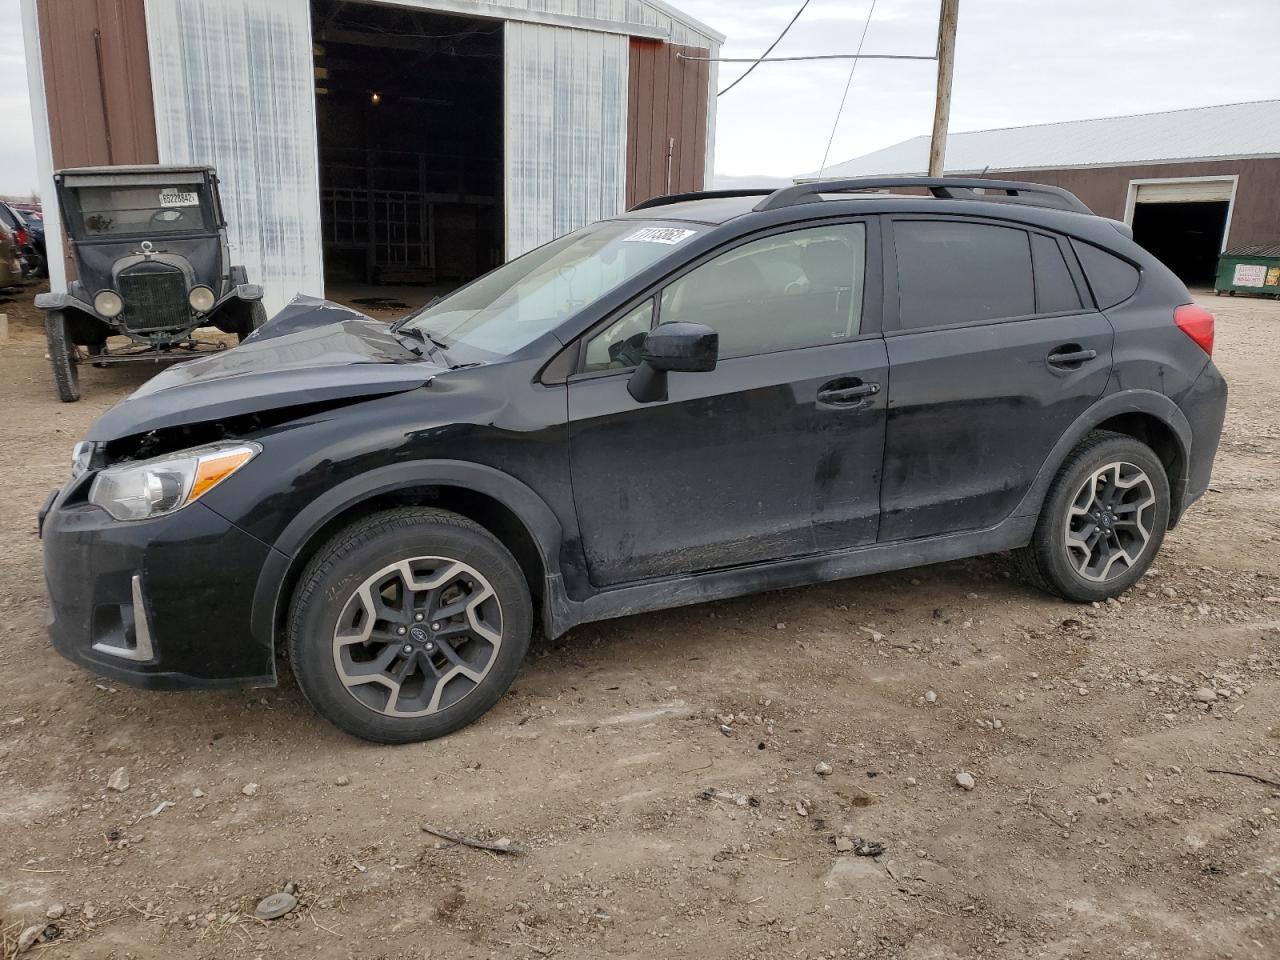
{"points": [[1055, 290], [1113, 280], [957, 272]]}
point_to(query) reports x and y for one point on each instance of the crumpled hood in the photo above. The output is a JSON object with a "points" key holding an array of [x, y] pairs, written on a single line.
{"points": [[313, 351]]}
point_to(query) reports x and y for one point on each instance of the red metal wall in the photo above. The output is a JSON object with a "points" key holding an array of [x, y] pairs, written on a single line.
{"points": [[666, 120], [97, 82]]}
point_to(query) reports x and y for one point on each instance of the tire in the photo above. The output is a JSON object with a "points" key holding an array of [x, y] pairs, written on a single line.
{"points": [[62, 356], [1117, 467], [257, 316], [355, 613]]}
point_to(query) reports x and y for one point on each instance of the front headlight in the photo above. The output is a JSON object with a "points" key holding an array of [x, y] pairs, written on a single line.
{"points": [[108, 303], [201, 299], [151, 488]]}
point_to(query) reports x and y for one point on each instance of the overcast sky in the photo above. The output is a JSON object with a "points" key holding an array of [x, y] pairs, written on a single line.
{"points": [[1017, 62]]}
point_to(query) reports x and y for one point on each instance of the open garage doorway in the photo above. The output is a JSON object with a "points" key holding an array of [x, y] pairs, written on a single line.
{"points": [[409, 122], [1183, 223]]}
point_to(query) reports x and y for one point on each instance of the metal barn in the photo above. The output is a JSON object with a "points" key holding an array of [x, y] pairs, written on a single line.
{"points": [[1191, 183], [400, 141]]}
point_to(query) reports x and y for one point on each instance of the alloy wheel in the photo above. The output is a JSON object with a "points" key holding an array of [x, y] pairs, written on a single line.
{"points": [[418, 636], [1110, 522]]}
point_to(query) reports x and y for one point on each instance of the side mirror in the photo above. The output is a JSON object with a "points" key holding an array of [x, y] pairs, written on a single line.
{"points": [[678, 347]]}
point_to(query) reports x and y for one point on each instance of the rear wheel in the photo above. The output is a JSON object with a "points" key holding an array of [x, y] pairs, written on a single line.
{"points": [[409, 625], [1103, 520], [62, 356]]}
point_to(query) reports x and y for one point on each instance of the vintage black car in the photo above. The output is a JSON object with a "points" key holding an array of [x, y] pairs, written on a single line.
{"points": [[150, 250]]}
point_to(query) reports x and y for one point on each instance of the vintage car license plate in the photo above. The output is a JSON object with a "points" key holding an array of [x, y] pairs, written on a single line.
{"points": [[179, 198]]}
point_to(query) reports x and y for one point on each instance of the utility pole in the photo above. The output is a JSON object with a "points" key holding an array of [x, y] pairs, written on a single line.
{"points": [[947, 21]]}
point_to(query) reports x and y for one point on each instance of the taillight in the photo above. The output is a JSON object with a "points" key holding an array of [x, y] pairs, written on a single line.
{"points": [[23, 240], [1196, 323]]}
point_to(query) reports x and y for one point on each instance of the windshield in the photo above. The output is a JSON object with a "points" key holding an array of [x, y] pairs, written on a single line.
{"points": [[520, 301], [132, 210]]}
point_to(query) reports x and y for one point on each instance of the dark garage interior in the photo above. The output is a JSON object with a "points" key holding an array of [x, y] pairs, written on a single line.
{"points": [[1185, 237], [410, 129]]}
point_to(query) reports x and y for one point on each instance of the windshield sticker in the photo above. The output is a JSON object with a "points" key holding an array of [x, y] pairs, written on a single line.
{"points": [[178, 198], [667, 235]]}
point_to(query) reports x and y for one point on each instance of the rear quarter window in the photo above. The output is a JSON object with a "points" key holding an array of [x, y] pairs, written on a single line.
{"points": [[1055, 290], [1113, 280]]}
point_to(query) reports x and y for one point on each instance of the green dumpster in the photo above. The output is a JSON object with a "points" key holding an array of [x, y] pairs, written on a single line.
{"points": [[1253, 269]]}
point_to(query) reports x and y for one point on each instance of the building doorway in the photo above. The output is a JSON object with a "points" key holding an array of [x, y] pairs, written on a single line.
{"points": [[1183, 223], [409, 123]]}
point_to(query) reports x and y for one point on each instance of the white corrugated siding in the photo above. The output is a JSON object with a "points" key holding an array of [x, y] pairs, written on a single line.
{"points": [[566, 131], [234, 87]]}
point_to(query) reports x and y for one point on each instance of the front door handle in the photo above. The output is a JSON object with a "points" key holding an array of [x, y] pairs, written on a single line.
{"points": [[843, 393], [1070, 356]]}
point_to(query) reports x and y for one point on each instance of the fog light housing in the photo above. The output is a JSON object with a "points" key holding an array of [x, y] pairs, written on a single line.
{"points": [[108, 303], [201, 299]]}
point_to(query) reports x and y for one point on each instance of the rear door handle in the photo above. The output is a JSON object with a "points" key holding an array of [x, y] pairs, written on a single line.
{"points": [[846, 396], [1068, 358]]}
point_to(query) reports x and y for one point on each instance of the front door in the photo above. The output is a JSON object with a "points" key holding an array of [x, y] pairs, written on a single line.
{"points": [[776, 453], [996, 351]]}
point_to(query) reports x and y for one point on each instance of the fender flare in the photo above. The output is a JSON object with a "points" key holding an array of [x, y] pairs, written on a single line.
{"points": [[65, 301], [1113, 405], [529, 508]]}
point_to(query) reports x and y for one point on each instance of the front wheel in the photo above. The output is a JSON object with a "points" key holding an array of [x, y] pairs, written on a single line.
{"points": [[1102, 522], [62, 356], [409, 625]]}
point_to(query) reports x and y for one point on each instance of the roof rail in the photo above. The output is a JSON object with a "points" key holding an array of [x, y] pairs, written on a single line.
{"points": [[944, 188], [703, 195]]}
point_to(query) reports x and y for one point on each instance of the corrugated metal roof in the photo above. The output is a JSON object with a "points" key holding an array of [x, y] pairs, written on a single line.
{"points": [[1265, 251], [1198, 133], [653, 18]]}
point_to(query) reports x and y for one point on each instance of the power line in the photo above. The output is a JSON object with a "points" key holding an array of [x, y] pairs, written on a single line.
{"points": [[847, 84], [812, 56], [747, 72]]}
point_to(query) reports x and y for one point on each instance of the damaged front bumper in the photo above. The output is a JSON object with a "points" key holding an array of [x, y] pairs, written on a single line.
{"points": [[161, 603]]}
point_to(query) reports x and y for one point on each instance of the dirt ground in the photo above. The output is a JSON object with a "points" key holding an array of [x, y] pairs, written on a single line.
{"points": [[1095, 828]]}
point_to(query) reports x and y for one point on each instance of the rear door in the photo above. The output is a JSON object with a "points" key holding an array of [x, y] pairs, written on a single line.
{"points": [[776, 453], [994, 349]]}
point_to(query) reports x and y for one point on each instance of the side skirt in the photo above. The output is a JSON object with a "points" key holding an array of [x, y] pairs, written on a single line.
{"points": [[561, 613]]}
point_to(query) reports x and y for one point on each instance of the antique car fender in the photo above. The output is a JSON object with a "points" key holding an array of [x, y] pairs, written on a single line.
{"points": [[244, 292], [87, 326], [64, 301]]}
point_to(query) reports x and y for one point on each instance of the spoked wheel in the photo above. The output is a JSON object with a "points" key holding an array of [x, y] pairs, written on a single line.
{"points": [[1102, 522], [418, 636], [409, 625], [62, 356], [1110, 522]]}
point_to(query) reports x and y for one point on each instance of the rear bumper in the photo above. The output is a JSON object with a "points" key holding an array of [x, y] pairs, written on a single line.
{"points": [[1205, 407], [162, 604]]}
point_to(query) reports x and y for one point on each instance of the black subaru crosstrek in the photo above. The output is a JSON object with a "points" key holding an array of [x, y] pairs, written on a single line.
{"points": [[707, 396]]}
